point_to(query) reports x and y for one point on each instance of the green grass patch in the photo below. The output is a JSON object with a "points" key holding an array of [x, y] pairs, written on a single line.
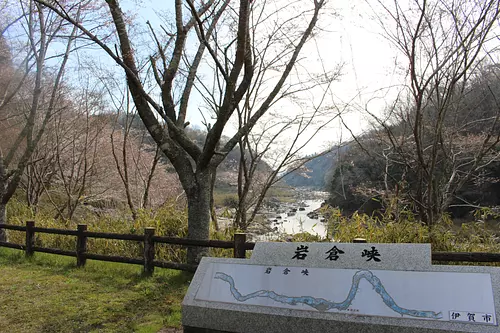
{"points": [[47, 293], [283, 193]]}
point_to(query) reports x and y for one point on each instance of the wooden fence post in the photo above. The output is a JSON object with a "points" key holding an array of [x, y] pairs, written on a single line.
{"points": [[239, 245], [81, 245], [30, 238], [359, 240], [149, 251]]}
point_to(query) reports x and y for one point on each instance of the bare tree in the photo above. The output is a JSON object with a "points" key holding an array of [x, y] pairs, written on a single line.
{"points": [[296, 118], [77, 140], [444, 45], [166, 121], [40, 171], [134, 167], [275, 149], [31, 97]]}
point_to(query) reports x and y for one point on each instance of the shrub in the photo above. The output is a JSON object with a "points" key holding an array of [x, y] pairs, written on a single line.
{"points": [[171, 221], [385, 228]]}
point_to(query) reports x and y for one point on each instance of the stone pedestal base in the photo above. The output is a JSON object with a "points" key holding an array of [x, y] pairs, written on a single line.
{"points": [[189, 329], [240, 317]]}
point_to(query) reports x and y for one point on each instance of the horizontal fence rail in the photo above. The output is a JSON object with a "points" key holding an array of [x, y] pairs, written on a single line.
{"points": [[12, 227], [466, 256], [55, 231], [12, 246], [106, 235], [238, 244]]}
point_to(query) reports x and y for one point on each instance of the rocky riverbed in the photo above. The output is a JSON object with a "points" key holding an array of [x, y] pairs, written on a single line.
{"points": [[301, 215], [280, 218]]}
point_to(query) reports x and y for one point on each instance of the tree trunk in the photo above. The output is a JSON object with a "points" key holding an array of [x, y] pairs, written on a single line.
{"points": [[212, 202], [199, 214], [3, 209], [3, 219], [240, 222], [243, 222]]}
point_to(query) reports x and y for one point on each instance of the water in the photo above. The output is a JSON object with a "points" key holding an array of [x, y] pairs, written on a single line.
{"points": [[302, 223], [298, 223]]}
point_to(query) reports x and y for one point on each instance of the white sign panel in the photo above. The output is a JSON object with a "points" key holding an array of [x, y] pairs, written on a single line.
{"points": [[443, 296]]}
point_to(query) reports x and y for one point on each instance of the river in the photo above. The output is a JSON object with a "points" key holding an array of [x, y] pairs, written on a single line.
{"points": [[292, 218]]}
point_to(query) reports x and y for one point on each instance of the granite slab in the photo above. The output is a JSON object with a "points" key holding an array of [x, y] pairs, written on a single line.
{"points": [[207, 316], [327, 255]]}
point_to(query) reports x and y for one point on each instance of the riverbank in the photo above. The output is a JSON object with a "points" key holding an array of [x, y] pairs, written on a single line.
{"points": [[289, 211], [298, 214]]}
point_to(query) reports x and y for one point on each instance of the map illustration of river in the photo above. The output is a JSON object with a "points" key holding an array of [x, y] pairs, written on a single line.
{"points": [[446, 296]]}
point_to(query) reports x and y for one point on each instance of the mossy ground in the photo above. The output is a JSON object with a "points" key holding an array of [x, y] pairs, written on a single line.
{"points": [[47, 293]]}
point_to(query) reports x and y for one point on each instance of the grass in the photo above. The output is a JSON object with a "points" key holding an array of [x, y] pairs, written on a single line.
{"points": [[283, 193], [474, 236], [47, 293]]}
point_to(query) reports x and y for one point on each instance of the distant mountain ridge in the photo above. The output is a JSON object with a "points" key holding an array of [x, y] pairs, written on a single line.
{"points": [[315, 173]]}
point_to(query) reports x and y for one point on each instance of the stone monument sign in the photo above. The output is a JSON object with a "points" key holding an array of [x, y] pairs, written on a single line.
{"points": [[336, 287]]}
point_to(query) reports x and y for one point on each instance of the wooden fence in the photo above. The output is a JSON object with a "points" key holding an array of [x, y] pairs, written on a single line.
{"points": [[239, 246]]}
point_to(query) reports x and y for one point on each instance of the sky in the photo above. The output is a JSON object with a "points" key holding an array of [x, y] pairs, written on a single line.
{"points": [[349, 37]]}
